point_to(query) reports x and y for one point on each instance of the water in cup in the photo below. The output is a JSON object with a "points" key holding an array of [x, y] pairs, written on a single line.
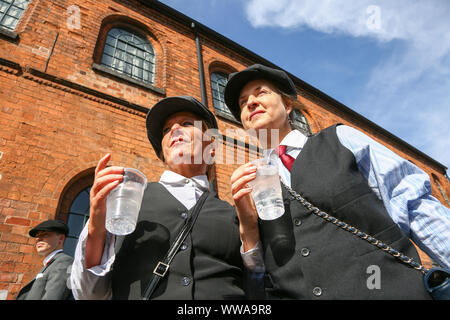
{"points": [[267, 191], [124, 202]]}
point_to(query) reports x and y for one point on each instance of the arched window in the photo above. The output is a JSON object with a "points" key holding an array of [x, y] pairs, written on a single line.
{"points": [[129, 53], [218, 83], [78, 216], [300, 122], [10, 12]]}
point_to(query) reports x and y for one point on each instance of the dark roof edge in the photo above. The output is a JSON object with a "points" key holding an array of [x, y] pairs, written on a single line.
{"points": [[183, 19]]}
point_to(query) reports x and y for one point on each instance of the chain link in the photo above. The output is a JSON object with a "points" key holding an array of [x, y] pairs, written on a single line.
{"points": [[403, 258]]}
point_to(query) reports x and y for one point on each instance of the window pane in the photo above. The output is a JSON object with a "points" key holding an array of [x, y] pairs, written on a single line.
{"points": [[111, 41], [22, 4], [75, 224], [11, 12], [78, 215], [140, 53], [15, 12], [119, 54], [121, 45], [218, 82], [132, 50], [109, 50], [69, 246], [81, 203], [9, 22], [107, 60], [3, 7], [128, 68]]}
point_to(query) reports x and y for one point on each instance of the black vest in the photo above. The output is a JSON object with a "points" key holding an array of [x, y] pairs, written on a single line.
{"points": [[309, 258], [208, 264]]}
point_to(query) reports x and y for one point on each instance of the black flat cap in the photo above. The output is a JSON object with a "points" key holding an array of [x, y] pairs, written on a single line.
{"points": [[237, 80], [164, 108], [50, 225]]}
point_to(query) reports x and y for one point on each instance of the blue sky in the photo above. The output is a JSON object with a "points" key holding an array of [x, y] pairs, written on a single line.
{"points": [[387, 60]]}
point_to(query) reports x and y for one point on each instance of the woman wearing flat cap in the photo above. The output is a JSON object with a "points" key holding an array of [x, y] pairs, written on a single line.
{"points": [[208, 264], [347, 175], [51, 281]]}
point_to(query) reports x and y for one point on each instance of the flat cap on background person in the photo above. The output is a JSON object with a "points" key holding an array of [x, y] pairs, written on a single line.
{"points": [[164, 108], [237, 80], [50, 225]]}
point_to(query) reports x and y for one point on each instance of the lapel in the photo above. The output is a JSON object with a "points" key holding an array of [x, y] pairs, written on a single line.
{"points": [[29, 285]]}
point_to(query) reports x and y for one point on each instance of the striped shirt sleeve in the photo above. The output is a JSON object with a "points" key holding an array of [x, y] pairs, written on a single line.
{"points": [[405, 191]]}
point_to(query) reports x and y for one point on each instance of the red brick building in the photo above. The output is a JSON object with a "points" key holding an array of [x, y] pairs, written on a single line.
{"points": [[76, 81]]}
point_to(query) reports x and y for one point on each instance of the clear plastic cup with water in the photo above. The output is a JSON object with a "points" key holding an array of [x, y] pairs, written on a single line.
{"points": [[266, 191], [124, 202]]}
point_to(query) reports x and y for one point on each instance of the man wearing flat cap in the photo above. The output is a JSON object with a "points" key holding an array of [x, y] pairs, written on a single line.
{"points": [[208, 263], [51, 282]]}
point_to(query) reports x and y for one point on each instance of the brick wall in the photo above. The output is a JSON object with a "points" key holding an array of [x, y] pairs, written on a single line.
{"points": [[59, 115]]}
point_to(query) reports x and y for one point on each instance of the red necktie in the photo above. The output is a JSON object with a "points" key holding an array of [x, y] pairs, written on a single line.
{"points": [[287, 160]]}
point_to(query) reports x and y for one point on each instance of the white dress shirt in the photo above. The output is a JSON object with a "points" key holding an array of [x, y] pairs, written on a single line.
{"points": [[50, 256]]}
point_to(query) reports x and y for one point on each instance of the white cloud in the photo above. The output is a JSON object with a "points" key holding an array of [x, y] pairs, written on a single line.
{"points": [[409, 92]]}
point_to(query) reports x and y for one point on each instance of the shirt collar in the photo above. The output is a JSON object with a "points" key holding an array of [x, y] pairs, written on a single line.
{"points": [[176, 180], [294, 139], [50, 256]]}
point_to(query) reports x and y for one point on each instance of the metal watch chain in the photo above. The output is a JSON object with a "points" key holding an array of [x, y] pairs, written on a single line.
{"points": [[405, 259]]}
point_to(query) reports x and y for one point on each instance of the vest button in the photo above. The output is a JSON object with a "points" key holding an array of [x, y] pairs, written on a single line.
{"points": [[317, 291], [297, 222], [186, 281], [183, 215], [305, 252], [183, 246]]}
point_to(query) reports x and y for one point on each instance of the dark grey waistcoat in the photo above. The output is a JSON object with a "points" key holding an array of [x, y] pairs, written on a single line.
{"points": [[208, 265]]}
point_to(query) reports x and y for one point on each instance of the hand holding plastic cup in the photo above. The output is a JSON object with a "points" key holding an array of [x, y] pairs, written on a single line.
{"points": [[124, 202], [266, 191]]}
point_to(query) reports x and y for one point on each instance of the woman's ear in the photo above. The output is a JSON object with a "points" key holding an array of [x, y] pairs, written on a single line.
{"points": [[288, 105]]}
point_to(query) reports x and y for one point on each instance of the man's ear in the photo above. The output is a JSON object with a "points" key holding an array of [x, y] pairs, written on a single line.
{"points": [[61, 239]]}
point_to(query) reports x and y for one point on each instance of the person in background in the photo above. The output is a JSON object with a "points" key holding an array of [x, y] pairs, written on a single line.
{"points": [[351, 177], [51, 283]]}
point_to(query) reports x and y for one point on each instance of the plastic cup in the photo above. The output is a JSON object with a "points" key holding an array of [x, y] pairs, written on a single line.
{"points": [[266, 191], [124, 202]]}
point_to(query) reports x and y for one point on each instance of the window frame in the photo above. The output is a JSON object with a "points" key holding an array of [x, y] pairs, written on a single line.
{"points": [[5, 30], [219, 110], [72, 213], [125, 46], [127, 24], [306, 127]]}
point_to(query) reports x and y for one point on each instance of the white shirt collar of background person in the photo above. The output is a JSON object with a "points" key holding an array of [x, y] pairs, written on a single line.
{"points": [[50, 256], [294, 142]]}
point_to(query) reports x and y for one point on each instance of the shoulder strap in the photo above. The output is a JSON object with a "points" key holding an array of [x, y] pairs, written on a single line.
{"points": [[311, 208], [162, 266]]}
